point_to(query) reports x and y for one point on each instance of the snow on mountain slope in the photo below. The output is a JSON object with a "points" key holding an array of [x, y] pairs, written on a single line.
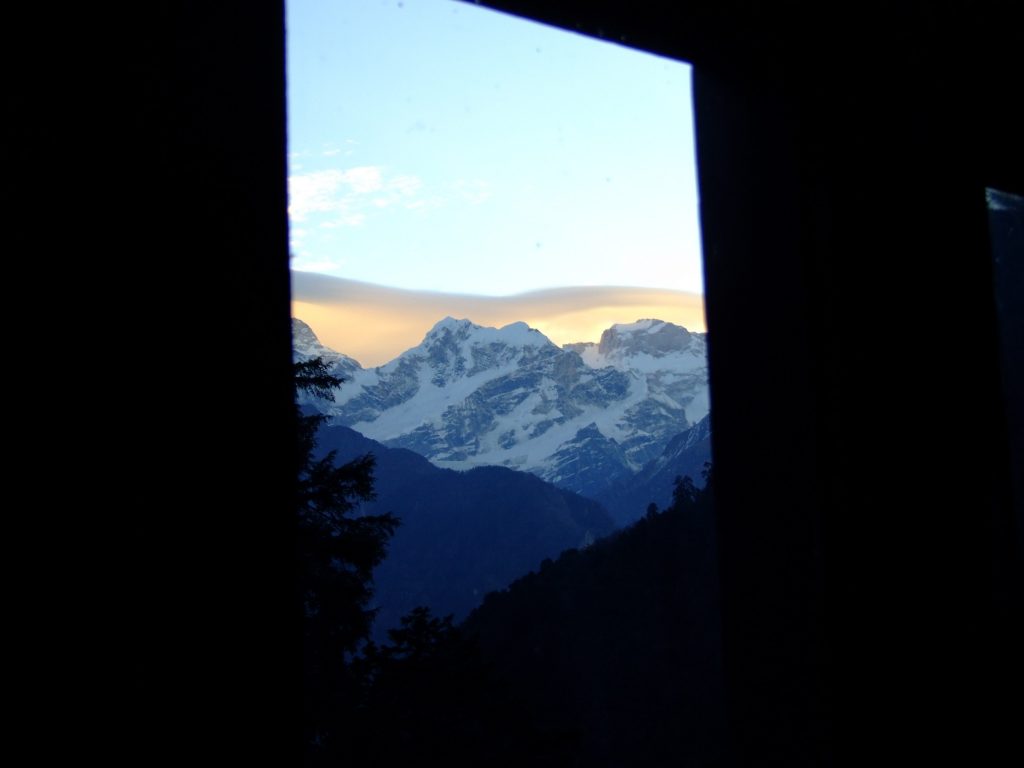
{"points": [[306, 345], [582, 417], [673, 359]]}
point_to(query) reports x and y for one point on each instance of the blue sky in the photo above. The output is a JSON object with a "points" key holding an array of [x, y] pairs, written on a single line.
{"points": [[439, 146]]}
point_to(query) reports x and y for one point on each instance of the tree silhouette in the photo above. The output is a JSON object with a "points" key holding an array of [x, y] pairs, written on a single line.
{"points": [[431, 699], [337, 552], [685, 492]]}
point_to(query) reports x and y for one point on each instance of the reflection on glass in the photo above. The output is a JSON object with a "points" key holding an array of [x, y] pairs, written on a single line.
{"points": [[1006, 233]]}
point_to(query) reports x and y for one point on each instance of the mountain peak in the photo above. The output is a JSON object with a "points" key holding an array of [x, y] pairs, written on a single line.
{"points": [[649, 325], [306, 346], [516, 334], [652, 336], [449, 323], [519, 325], [301, 330]]}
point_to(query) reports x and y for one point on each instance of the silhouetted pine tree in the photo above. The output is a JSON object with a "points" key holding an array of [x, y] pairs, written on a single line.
{"points": [[337, 552]]}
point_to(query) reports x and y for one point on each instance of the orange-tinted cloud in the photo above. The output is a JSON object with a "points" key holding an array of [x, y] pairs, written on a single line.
{"points": [[374, 324]]}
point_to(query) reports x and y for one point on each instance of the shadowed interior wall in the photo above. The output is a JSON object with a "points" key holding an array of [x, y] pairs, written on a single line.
{"points": [[860, 528], [871, 588]]}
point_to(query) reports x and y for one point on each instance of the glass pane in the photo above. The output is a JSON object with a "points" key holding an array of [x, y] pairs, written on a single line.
{"points": [[495, 242]]}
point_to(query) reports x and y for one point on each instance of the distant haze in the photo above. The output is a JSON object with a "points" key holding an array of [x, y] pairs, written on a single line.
{"points": [[374, 324]]}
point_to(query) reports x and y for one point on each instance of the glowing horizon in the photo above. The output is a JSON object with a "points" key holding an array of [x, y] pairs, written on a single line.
{"points": [[374, 324]]}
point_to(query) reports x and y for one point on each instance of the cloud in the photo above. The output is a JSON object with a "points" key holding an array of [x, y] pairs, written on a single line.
{"points": [[313, 193], [374, 323], [405, 185], [296, 236], [367, 178], [341, 195], [472, 191]]}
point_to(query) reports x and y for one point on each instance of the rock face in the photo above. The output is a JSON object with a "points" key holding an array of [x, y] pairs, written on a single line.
{"points": [[685, 455], [585, 417], [306, 345]]}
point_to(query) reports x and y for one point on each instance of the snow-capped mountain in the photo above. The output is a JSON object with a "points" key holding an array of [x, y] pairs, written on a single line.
{"points": [[583, 417], [684, 456], [306, 345]]}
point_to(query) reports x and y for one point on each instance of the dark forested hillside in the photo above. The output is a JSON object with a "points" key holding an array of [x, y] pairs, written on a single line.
{"points": [[462, 534], [618, 647], [606, 657]]}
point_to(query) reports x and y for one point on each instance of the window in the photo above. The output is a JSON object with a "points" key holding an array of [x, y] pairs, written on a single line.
{"points": [[495, 239]]}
